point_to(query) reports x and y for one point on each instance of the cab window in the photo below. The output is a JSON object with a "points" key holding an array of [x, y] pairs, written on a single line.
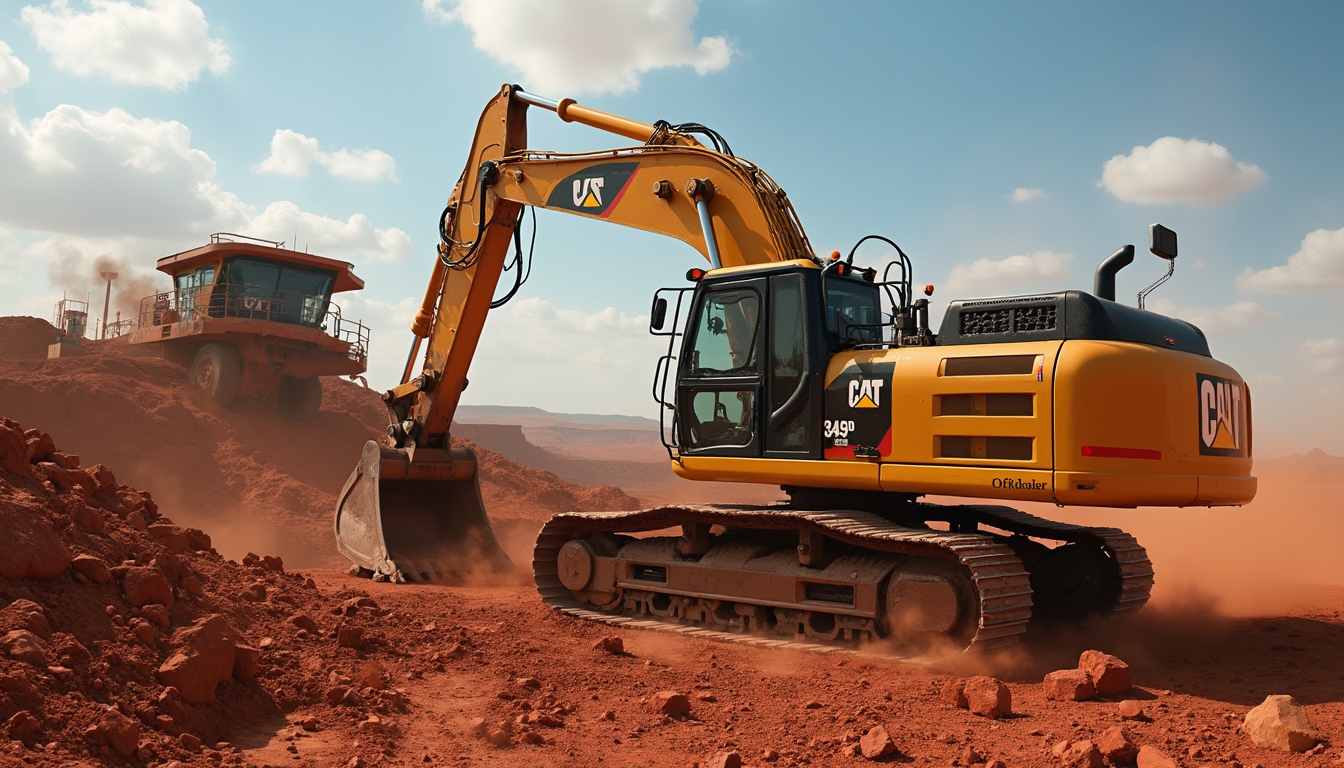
{"points": [[727, 334], [853, 313]]}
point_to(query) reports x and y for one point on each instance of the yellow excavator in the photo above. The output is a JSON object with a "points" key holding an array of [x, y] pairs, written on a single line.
{"points": [[825, 378]]}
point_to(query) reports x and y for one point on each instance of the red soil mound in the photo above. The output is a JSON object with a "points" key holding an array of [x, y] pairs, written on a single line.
{"points": [[126, 638], [255, 480], [25, 338]]}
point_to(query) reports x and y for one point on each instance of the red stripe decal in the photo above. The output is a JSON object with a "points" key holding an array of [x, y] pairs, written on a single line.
{"points": [[1121, 453], [617, 199]]}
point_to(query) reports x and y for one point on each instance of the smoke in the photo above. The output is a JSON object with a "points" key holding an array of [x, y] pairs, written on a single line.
{"points": [[78, 269]]}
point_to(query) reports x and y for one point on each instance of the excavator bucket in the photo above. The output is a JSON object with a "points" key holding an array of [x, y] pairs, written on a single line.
{"points": [[417, 517]]}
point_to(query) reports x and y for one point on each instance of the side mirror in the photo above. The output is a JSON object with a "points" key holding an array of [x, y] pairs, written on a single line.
{"points": [[1162, 242], [658, 315]]}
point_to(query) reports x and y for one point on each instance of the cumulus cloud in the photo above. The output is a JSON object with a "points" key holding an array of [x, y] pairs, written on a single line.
{"points": [[1218, 321], [9, 251], [1172, 170], [13, 72], [104, 173], [1015, 271], [330, 237], [163, 43], [1026, 194], [292, 154], [606, 359], [1318, 265], [1325, 355], [565, 47]]}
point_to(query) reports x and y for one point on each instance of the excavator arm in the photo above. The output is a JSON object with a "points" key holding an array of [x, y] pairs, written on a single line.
{"points": [[412, 510]]}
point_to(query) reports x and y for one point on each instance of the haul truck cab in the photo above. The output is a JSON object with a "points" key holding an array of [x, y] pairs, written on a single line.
{"points": [[253, 318]]}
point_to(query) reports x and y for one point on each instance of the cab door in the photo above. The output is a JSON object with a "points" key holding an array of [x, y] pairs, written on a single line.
{"points": [[720, 382]]}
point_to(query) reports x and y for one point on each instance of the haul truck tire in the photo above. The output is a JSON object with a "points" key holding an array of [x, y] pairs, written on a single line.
{"points": [[300, 398], [217, 371]]}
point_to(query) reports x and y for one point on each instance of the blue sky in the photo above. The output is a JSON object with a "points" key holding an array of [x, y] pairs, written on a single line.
{"points": [[917, 121]]}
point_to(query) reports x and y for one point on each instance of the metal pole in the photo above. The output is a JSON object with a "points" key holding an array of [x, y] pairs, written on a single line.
{"points": [[107, 299]]}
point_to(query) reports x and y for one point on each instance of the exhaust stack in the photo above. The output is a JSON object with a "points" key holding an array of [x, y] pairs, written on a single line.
{"points": [[1103, 283]]}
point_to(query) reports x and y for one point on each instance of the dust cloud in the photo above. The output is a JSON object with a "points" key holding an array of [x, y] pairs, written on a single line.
{"points": [[79, 274]]}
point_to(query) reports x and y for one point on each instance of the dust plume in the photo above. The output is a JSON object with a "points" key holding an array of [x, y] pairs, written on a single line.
{"points": [[79, 273]]}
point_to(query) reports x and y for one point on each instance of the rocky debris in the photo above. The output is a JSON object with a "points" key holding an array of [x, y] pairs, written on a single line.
{"points": [[769, 755], [32, 549], [988, 697], [1151, 757], [349, 637], [203, 656], [670, 703], [304, 622], [1110, 675], [25, 614], [612, 645], [92, 568], [146, 585], [996, 764], [1079, 754], [22, 645], [1279, 722], [117, 731], [371, 675], [1129, 709], [953, 693], [876, 743], [246, 661], [1069, 685], [725, 760], [22, 726], [1117, 746]]}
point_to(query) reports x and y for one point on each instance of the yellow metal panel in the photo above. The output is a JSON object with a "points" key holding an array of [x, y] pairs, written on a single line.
{"points": [[1223, 491], [808, 473], [1126, 489], [975, 482]]}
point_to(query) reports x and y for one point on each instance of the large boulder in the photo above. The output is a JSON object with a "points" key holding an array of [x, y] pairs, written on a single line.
{"points": [[203, 656], [119, 732], [32, 549], [1280, 723], [1109, 674], [876, 743]]}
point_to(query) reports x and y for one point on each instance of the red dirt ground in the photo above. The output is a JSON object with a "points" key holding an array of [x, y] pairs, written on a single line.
{"points": [[450, 655]]}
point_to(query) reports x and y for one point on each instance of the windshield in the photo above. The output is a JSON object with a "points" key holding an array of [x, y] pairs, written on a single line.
{"points": [[276, 291], [853, 312], [725, 339]]}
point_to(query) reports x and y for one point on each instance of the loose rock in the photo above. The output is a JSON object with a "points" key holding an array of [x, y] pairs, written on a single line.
{"points": [[1069, 685], [988, 697], [954, 693], [1109, 674], [1129, 709], [613, 645], [93, 568], [1081, 754], [204, 655], [120, 732], [22, 645], [876, 742], [1280, 723], [1117, 746], [670, 703], [1151, 757], [725, 760], [144, 586]]}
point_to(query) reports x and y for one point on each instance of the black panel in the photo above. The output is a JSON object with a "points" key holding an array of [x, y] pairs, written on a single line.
{"points": [[1065, 315]]}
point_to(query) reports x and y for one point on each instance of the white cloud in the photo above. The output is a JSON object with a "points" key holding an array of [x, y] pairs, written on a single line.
{"points": [[1019, 270], [9, 250], [533, 353], [1025, 194], [566, 47], [292, 153], [108, 173], [13, 72], [1327, 355], [1172, 170], [1317, 266], [329, 237], [163, 43], [1217, 321]]}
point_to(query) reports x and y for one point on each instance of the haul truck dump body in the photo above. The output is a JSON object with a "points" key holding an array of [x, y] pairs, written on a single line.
{"points": [[812, 374]]}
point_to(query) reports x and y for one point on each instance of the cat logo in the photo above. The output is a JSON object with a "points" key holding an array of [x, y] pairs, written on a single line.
{"points": [[1222, 417], [596, 190], [588, 192], [865, 393]]}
